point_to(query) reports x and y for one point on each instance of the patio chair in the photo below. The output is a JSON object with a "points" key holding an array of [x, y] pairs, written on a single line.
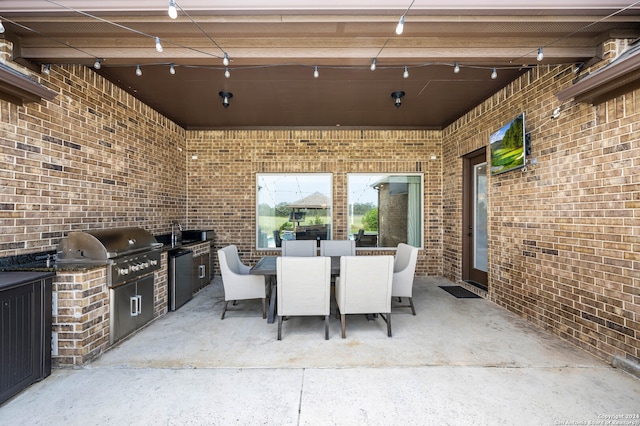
{"points": [[303, 288], [337, 248], [277, 239], [364, 287], [299, 248], [404, 269], [237, 282]]}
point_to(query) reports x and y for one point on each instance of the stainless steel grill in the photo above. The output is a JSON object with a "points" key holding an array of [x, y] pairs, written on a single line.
{"points": [[129, 252], [131, 256]]}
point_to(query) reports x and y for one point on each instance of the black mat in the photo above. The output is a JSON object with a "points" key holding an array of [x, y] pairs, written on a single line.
{"points": [[459, 292]]}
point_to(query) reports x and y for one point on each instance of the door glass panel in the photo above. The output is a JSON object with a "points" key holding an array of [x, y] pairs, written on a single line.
{"points": [[292, 206], [480, 237]]}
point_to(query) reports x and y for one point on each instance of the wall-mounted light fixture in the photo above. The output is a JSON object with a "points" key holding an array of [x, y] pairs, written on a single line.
{"points": [[225, 98], [397, 98]]}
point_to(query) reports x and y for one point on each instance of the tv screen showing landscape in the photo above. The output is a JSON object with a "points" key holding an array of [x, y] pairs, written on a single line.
{"points": [[508, 147]]}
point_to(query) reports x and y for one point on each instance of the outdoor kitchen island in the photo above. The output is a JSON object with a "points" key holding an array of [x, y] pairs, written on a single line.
{"points": [[81, 304]]}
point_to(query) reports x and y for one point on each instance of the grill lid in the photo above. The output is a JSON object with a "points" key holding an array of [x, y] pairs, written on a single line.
{"points": [[104, 244]]}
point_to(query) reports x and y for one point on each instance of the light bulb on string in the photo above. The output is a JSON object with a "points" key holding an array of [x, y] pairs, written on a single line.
{"points": [[540, 54], [316, 74], [225, 60], [406, 72], [97, 65], [227, 74], [172, 70], [158, 45], [400, 26], [494, 74], [1, 28], [138, 70], [456, 68], [173, 12], [373, 64], [47, 69]]}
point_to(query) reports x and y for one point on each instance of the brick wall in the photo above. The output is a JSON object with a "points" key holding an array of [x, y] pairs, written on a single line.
{"points": [[93, 157], [221, 181], [564, 236]]}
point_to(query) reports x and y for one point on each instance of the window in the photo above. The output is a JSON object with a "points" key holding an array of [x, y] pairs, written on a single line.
{"points": [[385, 209], [292, 206]]}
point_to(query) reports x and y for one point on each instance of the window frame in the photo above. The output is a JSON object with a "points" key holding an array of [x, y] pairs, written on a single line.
{"points": [[329, 208], [377, 177]]}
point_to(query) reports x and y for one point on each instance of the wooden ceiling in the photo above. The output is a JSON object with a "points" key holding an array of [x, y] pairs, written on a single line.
{"points": [[274, 51]]}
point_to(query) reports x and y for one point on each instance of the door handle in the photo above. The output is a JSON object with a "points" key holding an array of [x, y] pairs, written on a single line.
{"points": [[139, 297], [133, 305], [202, 269]]}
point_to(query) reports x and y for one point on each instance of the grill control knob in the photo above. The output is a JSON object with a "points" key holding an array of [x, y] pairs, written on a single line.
{"points": [[153, 262], [123, 271], [135, 267]]}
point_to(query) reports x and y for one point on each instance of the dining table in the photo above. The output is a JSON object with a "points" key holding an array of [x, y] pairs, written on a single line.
{"points": [[267, 266]]}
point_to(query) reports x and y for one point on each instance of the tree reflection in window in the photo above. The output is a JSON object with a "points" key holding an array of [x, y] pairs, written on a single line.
{"points": [[385, 209], [293, 206]]}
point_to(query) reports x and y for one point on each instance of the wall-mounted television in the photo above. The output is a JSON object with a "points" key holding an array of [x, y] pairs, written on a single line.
{"points": [[509, 146]]}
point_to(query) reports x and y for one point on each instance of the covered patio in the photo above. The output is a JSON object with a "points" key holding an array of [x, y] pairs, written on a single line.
{"points": [[457, 362]]}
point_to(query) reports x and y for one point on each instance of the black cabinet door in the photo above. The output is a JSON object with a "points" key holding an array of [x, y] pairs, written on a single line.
{"points": [[25, 336]]}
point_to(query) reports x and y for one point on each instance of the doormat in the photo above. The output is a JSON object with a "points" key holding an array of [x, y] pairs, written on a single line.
{"points": [[459, 292]]}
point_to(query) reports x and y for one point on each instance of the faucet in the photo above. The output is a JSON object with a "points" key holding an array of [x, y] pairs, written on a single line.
{"points": [[174, 235]]}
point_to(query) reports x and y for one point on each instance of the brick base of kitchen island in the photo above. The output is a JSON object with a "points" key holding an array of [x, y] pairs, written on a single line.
{"points": [[81, 313]]}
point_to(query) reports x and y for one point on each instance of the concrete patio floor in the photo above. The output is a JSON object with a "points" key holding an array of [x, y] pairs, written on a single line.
{"points": [[457, 362]]}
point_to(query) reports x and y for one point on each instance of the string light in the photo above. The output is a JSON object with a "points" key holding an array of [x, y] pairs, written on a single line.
{"points": [[225, 60], [540, 54], [97, 65], [373, 64], [138, 71], [227, 74], [1, 28], [47, 69], [316, 74], [172, 70], [494, 74], [406, 72], [158, 45], [173, 12], [400, 26], [456, 68]]}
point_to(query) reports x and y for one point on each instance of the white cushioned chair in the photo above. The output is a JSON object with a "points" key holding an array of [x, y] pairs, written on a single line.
{"points": [[299, 248], [364, 287], [337, 248], [237, 282], [304, 288], [404, 269]]}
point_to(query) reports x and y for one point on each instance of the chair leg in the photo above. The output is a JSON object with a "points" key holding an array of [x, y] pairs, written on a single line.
{"points": [[264, 308], [387, 319], [344, 326], [389, 324], [413, 309], [326, 327], [280, 327], [224, 310]]}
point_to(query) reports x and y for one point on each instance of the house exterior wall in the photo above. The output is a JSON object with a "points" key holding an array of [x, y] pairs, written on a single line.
{"points": [[564, 235], [93, 157], [222, 178]]}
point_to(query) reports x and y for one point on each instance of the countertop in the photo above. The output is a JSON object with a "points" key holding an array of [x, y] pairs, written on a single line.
{"points": [[37, 262]]}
